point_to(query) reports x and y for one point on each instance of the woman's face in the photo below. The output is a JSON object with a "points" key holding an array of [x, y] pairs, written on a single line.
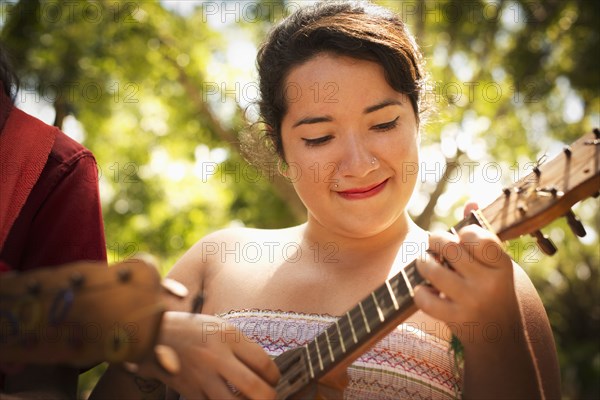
{"points": [[351, 144]]}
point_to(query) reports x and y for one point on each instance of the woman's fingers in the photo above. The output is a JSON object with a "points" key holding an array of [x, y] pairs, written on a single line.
{"points": [[209, 383], [441, 277], [254, 356], [470, 274], [246, 380], [429, 301], [470, 206], [453, 252], [249, 368], [486, 248], [211, 354], [469, 250], [215, 388]]}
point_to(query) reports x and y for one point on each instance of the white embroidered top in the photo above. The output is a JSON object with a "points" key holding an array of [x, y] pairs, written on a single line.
{"points": [[406, 364]]}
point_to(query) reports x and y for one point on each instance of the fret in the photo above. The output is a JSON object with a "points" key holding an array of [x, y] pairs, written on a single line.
{"points": [[358, 322], [369, 306], [385, 300], [470, 220], [407, 282], [339, 332], [400, 290], [314, 359], [324, 347], [413, 276], [310, 367], [336, 344], [379, 312], [331, 355], [392, 296], [316, 342], [362, 311], [349, 318], [346, 334]]}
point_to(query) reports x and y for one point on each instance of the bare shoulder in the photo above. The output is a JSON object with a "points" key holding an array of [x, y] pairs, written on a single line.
{"points": [[538, 332], [227, 248], [237, 241]]}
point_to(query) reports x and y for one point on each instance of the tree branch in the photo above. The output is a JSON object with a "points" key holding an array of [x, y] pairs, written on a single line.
{"points": [[283, 189], [424, 220]]}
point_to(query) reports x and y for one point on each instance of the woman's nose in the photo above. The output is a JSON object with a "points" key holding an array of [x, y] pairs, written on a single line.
{"points": [[357, 159]]}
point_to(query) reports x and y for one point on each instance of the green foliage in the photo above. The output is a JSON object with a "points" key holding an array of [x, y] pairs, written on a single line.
{"points": [[510, 81]]}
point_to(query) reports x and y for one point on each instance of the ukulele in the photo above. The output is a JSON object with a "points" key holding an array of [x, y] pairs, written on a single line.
{"points": [[318, 369], [85, 313]]}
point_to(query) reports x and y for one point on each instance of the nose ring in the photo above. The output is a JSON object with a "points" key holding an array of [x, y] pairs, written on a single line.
{"points": [[374, 160]]}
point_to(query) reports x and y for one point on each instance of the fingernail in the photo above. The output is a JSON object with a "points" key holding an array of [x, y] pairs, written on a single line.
{"points": [[131, 367], [167, 358], [175, 288]]}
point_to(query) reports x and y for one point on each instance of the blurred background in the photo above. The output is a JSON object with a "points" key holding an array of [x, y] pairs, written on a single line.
{"points": [[159, 91]]}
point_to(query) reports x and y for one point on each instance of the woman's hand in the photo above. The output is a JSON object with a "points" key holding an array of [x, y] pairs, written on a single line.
{"points": [[213, 353], [473, 291], [472, 285], [206, 354], [480, 277]]}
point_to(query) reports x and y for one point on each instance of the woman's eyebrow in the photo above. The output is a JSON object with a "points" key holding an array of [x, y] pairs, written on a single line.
{"points": [[370, 109], [312, 120], [381, 105]]}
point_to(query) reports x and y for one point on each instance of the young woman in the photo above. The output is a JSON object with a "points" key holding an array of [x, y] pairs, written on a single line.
{"points": [[341, 90]]}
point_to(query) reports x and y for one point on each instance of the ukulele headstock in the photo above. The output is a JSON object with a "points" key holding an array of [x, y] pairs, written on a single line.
{"points": [[548, 193]]}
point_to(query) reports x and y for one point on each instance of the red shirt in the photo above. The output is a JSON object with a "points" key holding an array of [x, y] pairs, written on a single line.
{"points": [[61, 220]]}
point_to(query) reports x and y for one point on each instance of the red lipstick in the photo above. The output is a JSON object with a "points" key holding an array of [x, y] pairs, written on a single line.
{"points": [[364, 192]]}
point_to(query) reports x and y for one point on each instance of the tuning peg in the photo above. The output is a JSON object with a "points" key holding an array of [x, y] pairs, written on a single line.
{"points": [[575, 224], [544, 243]]}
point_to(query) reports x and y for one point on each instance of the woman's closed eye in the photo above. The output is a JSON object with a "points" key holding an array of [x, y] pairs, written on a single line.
{"points": [[383, 127], [317, 141], [386, 126]]}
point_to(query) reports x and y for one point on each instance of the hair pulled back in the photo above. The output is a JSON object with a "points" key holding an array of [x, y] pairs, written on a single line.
{"points": [[355, 29]]}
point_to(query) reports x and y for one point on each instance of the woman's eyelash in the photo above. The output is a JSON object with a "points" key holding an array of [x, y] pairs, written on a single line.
{"points": [[387, 125], [317, 141]]}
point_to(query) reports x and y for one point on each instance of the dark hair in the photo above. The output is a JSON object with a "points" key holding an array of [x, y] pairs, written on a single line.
{"points": [[356, 29], [8, 77]]}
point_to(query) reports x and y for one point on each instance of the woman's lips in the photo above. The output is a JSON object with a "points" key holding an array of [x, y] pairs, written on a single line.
{"points": [[363, 193]]}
